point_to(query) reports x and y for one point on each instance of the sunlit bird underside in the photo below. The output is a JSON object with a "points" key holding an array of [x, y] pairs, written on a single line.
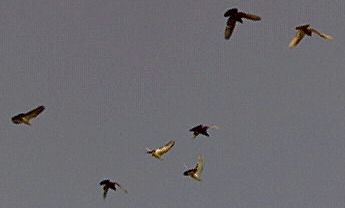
{"points": [[303, 30], [25, 118]]}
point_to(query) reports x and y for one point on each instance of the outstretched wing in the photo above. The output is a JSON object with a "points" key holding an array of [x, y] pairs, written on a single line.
{"points": [[34, 113], [162, 150], [229, 28], [197, 128], [123, 189], [105, 191], [322, 35], [249, 16], [199, 167], [296, 39], [104, 182]]}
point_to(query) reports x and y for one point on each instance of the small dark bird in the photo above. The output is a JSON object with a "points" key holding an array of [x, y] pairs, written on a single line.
{"points": [[107, 184], [25, 118], [235, 16], [157, 153], [201, 129], [303, 30], [195, 173]]}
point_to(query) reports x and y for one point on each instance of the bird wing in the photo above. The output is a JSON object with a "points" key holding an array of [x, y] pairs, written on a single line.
{"points": [[105, 191], [296, 39], [229, 28], [104, 182], [322, 35], [123, 189], [199, 166], [196, 128], [34, 113], [249, 16], [195, 134], [162, 150], [214, 127]]}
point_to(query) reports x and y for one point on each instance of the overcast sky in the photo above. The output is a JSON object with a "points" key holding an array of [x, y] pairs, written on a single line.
{"points": [[117, 76]]}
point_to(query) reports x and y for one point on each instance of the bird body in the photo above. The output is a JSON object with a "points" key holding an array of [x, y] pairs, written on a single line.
{"points": [[196, 172], [303, 30], [157, 153], [25, 118], [107, 184], [235, 16]]}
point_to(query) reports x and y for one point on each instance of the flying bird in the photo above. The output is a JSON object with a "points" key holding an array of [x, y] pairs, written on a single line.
{"points": [[196, 172], [25, 118], [157, 153], [235, 16], [107, 184], [202, 129], [303, 30]]}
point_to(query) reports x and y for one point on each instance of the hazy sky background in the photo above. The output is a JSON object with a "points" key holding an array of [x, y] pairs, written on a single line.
{"points": [[119, 76]]}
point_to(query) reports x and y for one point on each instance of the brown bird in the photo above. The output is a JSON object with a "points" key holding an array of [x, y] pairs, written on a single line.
{"points": [[202, 129], [25, 118], [157, 153], [107, 184], [303, 30], [235, 16], [196, 172]]}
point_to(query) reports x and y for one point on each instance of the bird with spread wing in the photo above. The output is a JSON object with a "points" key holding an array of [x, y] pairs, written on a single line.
{"points": [[196, 172], [235, 16], [157, 153], [107, 184], [202, 129], [303, 30], [25, 118]]}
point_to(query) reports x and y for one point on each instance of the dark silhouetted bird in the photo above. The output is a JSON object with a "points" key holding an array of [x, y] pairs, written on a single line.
{"points": [[196, 172], [157, 153], [107, 184], [303, 30], [202, 129], [235, 16], [25, 118]]}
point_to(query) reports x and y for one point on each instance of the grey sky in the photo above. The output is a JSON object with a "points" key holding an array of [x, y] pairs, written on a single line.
{"points": [[119, 76]]}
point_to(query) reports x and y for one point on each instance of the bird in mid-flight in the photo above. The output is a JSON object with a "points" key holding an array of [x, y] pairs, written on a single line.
{"points": [[235, 16], [195, 173], [303, 30], [107, 184], [202, 129], [157, 153], [25, 118]]}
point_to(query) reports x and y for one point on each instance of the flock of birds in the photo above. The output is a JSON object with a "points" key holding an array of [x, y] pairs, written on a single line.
{"points": [[195, 173], [234, 16]]}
